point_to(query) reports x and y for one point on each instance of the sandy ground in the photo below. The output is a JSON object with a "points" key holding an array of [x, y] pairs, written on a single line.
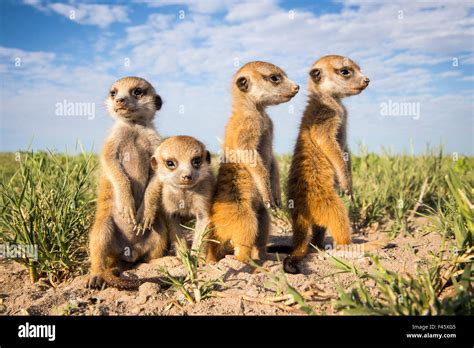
{"points": [[245, 291]]}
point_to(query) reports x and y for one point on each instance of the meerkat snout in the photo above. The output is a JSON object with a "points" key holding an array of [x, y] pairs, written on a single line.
{"points": [[133, 99], [186, 179]]}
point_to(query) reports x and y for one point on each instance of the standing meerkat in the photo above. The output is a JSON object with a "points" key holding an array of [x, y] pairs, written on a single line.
{"points": [[182, 186], [125, 165], [248, 179], [321, 154]]}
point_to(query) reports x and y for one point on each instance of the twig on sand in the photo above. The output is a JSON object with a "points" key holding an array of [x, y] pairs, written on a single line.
{"points": [[172, 303], [419, 202], [276, 301], [269, 302]]}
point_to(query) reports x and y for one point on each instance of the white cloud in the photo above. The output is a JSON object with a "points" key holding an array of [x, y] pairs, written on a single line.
{"points": [[90, 14], [250, 10], [99, 15], [199, 6]]}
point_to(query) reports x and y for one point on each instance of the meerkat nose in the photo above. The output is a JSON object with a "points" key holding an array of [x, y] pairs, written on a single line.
{"points": [[366, 81], [186, 178], [296, 88], [120, 100]]}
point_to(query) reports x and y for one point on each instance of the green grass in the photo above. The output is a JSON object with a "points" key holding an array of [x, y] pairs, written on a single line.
{"points": [[193, 286], [422, 294], [399, 294], [49, 200]]}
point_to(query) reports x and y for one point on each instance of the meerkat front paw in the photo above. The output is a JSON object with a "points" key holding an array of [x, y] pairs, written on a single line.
{"points": [[126, 208], [271, 205], [345, 185], [348, 189], [269, 200], [277, 200], [148, 219], [141, 224]]}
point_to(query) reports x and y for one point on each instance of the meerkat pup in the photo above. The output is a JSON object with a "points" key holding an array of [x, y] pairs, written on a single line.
{"points": [[321, 154], [125, 167], [183, 186], [248, 179]]}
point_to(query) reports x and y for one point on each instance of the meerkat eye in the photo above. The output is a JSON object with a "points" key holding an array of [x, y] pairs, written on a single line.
{"points": [[345, 72], [196, 162], [137, 92], [275, 78], [113, 93], [170, 164]]}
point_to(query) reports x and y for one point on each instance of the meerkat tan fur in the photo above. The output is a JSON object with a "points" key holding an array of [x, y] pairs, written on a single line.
{"points": [[125, 172], [183, 186], [248, 180], [321, 155]]}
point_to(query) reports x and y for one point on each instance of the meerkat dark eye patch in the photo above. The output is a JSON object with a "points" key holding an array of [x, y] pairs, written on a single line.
{"points": [[158, 102], [242, 83], [170, 164], [137, 92], [113, 93], [196, 162], [345, 72], [275, 78], [208, 157], [315, 75]]}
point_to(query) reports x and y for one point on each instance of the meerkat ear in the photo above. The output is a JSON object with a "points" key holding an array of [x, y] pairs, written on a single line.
{"points": [[158, 102], [315, 75], [154, 163], [242, 83], [208, 157]]}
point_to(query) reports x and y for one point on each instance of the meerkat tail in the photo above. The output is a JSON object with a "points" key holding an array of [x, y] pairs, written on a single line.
{"points": [[376, 244], [317, 239], [279, 249]]}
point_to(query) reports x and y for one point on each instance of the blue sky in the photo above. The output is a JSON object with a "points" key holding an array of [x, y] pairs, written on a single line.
{"points": [[418, 55]]}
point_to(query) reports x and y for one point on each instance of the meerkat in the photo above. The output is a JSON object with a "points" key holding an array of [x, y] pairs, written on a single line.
{"points": [[125, 172], [321, 155], [248, 179], [182, 186]]}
